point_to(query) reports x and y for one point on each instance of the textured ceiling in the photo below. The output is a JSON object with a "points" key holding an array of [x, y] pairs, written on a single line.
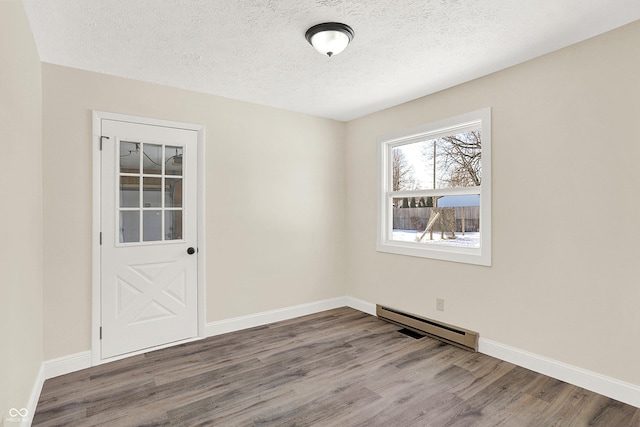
{"points": [[255, 50]]}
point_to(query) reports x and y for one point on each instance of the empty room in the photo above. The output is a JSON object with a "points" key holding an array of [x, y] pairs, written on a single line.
{"points": [[331, 213]]}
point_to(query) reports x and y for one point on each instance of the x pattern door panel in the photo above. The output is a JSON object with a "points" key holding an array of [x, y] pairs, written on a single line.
{"points": [[150, 292]]}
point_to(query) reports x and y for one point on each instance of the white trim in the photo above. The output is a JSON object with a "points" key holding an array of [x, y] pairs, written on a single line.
{"points": [[95, 241], [146, 120], [455, 191], [624, 392], [33, 399], [259, 319], [433, 130], [360, 305], [202, 233], [66, 364], [97, 116]]}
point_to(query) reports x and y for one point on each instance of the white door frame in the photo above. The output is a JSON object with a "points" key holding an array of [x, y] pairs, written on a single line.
{"points": [[98, 116]]}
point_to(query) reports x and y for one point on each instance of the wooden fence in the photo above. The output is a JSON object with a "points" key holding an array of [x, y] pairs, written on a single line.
{"points": [[417, 218]]}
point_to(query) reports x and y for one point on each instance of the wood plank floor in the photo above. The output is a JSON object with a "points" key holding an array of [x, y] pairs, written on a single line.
{"points": [[335, 368]]}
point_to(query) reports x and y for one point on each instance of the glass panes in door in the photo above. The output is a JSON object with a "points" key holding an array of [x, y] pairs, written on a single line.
{"points": [[150, 204]]}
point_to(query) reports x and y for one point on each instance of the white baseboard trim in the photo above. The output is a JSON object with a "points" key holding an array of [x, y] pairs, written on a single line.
{"points": [[259, 319], [67, 364], [50, 369], [360, 305], [33, 398], [619, 390]]}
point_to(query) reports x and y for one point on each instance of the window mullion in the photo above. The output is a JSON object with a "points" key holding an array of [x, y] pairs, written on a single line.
{"points": [[437, 192]]}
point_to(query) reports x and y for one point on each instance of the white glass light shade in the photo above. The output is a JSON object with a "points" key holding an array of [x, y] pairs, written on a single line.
{"points": [[330, 38], [330, 42]]}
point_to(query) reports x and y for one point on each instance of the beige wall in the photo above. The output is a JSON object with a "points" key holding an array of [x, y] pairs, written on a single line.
{"points": [[565, 274], [563, 285], [21, 210], [274, 192]]}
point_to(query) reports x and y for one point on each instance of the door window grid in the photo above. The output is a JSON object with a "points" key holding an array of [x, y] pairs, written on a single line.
{"points": [[150, 206]]}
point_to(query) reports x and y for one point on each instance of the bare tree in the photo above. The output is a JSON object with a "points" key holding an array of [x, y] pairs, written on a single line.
{"points": [[459, 159], [462, 157], [402, 172]]}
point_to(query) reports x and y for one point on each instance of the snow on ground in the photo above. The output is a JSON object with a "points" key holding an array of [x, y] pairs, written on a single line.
{"points": [[469, 240]]}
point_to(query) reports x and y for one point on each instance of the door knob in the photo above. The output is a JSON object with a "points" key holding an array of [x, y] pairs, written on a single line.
{"points": [[191, 251]]}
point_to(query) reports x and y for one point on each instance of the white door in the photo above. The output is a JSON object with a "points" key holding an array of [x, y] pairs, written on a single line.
{"points": [[149, 282]]}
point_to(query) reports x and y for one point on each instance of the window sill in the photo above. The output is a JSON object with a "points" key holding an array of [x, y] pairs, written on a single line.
{"points": [[443, 253]]}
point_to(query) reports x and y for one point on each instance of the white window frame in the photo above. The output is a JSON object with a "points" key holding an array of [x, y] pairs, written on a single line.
{"points": [[478, 256]]}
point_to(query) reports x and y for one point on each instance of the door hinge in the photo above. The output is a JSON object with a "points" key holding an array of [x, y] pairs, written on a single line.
{"points": [[100, 332], [101, 237], [101, 138]]}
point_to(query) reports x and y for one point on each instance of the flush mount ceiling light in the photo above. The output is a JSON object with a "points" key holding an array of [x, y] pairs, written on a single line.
{"points": [[329, 38]]}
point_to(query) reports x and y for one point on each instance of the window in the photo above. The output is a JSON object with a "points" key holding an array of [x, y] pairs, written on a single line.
{"points": [[156, 211], [435, 190]]}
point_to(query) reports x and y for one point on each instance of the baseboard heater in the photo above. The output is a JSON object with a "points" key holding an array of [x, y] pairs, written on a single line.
{"points": [[450, 334]]}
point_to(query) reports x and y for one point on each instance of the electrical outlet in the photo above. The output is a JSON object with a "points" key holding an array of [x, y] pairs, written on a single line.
{"points": [[440, 304]]}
